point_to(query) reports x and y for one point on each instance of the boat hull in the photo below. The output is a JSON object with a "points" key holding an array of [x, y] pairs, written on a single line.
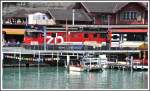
{"points": [[77, 69], [93, 69]]}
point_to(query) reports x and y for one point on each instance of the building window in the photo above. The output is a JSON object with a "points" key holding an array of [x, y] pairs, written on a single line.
{"points": [[34, 17], [86, 36], [44, 18], [104, 17], [135, 37], [130, 15]]}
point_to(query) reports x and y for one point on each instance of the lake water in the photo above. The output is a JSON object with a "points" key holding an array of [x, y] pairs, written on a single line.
{"points": [[60, 78]]}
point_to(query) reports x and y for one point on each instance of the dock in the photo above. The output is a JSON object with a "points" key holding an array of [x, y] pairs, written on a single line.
{"points": [[25, 51], [28, 57], [126, 66]]}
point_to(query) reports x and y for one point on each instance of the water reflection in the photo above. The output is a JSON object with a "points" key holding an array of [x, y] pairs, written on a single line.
{"points": [[59, 78]]}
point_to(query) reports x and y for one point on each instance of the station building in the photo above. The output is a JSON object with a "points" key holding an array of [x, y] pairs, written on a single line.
{"points": [[127, 21]]}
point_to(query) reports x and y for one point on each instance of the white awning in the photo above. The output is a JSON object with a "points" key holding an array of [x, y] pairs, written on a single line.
{"points": [[133, 44]]}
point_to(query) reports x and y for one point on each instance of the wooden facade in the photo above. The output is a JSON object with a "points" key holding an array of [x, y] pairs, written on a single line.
{"points": [[131, 13]]}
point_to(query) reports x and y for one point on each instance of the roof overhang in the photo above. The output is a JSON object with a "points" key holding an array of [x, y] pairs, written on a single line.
{"points": [[14, 31], [130, 30]]}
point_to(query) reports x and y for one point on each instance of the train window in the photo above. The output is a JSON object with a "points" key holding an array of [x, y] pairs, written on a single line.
{"points": [[32, 34], [103, 35], [35, 34], [53, 34], [95, 35], [85, 35]]}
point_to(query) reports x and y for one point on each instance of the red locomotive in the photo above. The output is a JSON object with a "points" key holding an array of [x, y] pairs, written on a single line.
{"points": [[73, 36]]}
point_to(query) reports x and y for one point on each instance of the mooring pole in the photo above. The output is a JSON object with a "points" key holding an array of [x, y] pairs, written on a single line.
{"points": [[90, 63], [99, 61], [19, 58], [68, 60], [19, 70], [57, 58], [38, 59], [131, 59], [73, 11]]}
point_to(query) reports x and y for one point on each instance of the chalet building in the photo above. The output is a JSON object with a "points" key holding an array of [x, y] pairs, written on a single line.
{"points": [[115, 12], [126, 20]]}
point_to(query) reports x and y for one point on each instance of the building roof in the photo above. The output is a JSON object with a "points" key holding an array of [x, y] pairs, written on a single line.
{"points": [[22, 13], [17, 13], [111, 26], [105, 7], [63, 14]]}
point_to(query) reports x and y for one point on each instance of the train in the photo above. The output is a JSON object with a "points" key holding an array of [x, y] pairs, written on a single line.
{"points": [[76, 38]]}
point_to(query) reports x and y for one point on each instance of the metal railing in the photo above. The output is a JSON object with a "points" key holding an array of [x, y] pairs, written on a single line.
{"points": [[74, 47]]}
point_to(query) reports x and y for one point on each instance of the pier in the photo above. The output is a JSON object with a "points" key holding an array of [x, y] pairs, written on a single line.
{"points": [[26, 57], [25, 51]]}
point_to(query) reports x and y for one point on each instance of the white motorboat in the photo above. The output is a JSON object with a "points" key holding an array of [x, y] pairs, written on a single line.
{"points": [[103, 60], [89, 63], [75, 68], [92, 64]]}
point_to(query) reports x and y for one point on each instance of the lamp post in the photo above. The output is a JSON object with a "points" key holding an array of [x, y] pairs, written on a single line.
{"points": [[73, 11]]}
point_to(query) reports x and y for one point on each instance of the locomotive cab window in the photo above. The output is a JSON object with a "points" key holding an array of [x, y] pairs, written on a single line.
{"points": [[32, 34], [86, 36], [35, 34]]}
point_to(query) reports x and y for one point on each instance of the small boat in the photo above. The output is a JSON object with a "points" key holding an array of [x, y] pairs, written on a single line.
{"points": [[88, 63], [92, 64], [76, 68], [139, 64], [103, 60]]}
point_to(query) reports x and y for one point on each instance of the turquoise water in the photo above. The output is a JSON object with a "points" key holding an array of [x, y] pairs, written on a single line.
{"points": [[60, 78]]}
